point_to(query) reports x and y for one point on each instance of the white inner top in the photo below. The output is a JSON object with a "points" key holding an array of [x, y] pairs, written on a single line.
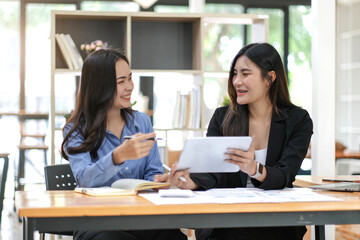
{"points": [[260, 156]]}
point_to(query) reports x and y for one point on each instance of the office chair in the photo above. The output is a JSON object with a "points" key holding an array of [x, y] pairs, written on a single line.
{"points": [[59, 177], [3, 176]]}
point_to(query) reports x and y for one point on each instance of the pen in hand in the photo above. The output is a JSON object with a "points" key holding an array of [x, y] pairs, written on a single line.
{"points": [[167, 168], [130, 137]]}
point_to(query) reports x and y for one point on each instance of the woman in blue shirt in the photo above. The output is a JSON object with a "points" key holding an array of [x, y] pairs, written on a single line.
{"points": [[94, 134]]}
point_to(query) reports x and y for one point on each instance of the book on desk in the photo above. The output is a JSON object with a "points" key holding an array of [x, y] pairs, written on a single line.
{"points": [[122, 187]]}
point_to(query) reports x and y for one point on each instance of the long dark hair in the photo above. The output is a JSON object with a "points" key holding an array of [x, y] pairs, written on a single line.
{"points": [[94, 99], [265, 56]]}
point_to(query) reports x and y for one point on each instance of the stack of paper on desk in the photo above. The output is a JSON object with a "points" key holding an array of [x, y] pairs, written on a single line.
{"points": [[122, 187], [242, 195]]}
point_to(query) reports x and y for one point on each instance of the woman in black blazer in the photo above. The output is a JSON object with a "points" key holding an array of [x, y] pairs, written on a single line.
{"points": [[259, 107]]}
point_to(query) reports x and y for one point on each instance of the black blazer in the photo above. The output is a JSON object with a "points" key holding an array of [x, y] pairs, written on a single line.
{"points": [[289, 138]]}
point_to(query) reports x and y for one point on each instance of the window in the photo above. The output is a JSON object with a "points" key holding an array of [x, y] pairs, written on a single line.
{"points": [[9, 62], [38, 55], [276, 27], [126, 6], [223, 8], [9, 74], [173, 9], [299, 59]]}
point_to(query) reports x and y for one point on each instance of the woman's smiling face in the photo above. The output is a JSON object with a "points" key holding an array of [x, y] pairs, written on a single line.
{"points": [[124, 85], [250, 85]]}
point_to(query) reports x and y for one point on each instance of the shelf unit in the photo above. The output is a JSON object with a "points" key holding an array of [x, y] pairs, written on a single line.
{"points": [[348, 72], [155, 43]]}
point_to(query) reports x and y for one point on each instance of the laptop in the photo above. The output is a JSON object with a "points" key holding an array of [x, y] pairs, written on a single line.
{"points": [[338, 186]]}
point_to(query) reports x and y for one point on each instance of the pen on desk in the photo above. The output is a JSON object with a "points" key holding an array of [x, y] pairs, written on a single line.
{"points": [[130, 137], [169, 170]]}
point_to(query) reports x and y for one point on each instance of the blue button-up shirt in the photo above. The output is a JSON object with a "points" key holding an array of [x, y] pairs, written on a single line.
{"points": [[101, 171]]}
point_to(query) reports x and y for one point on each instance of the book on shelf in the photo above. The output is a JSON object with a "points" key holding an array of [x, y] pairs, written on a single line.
{"points": [[122, 187], [69, 51], [183, 110], [162, 153], [176, 114], [187, 109], [64, 50], [195, 107], [75, 54]]}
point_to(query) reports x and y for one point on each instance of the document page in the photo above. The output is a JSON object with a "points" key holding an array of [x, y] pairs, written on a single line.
{"points": [[242, 195], [206, 154]]}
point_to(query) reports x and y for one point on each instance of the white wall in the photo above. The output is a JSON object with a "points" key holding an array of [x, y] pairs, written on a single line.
{"points": [[323, 110], [323, 71]]}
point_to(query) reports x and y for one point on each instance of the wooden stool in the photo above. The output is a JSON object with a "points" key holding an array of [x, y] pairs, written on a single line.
{"points": [[348, 232], [23, 147]]}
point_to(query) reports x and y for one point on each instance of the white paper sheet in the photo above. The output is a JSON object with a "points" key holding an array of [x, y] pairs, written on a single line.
{"points": [[242, 195], [206, 154]]}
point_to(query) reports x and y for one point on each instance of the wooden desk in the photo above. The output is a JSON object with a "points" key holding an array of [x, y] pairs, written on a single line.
{"points": [[308, 180], [68, 211], [342, 154], [347, 154]]}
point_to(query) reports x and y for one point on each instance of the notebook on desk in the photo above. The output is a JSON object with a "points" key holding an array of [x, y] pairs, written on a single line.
{"points": [[338, 186]]}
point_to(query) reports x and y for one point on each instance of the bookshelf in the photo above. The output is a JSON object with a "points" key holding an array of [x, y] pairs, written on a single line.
{"points": [[167, 47], [348, 70]]}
